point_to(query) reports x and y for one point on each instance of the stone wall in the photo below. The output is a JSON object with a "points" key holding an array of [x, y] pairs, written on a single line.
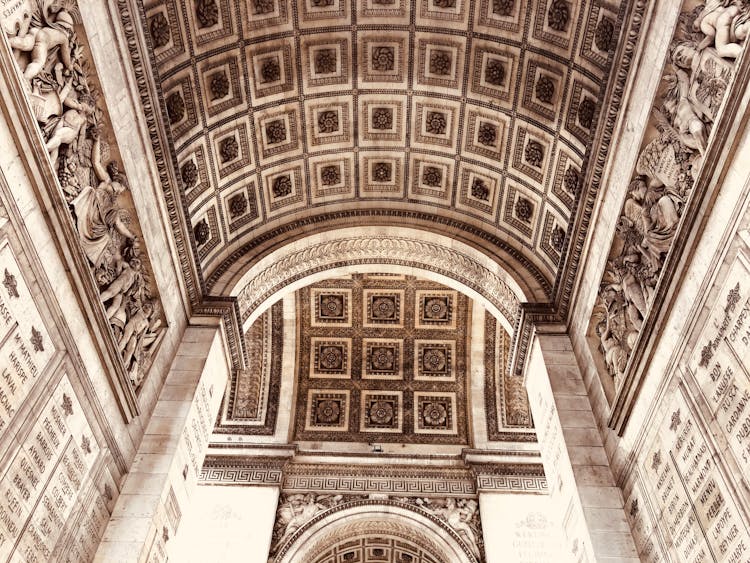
{"points": [[676, 443], [68, 431]]}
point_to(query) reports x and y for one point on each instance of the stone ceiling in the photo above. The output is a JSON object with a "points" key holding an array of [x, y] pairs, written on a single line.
{"points": [[382, 358], [469, 117], [378, 357]]}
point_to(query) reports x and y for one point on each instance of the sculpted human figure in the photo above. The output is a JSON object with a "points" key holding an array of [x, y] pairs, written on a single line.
{"points": [[136, 325], [55, 32], [614, 354], [298, 510], [686, 118], [97, 213], [631, 288], [725, 26], [457, 515], [117, 290], [69, 127]]}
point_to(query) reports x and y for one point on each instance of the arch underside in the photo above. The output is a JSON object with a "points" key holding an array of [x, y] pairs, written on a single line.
{"points": [[373, 523], [469, 118]]}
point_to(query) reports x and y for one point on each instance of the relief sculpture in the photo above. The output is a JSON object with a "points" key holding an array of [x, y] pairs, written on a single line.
{"points": [[58, 81], [702, 54]]}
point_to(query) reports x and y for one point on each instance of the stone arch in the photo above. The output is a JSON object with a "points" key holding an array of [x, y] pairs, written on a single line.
{"points": [[395, 250], [375, 518]]}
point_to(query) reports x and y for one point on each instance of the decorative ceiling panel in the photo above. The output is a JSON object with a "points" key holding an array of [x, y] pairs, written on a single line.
{"points": [[480, 112], [382, 358]]}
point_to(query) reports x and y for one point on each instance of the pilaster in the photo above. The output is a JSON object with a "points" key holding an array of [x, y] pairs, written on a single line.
{"points": [[581, 484], [164, 474]]}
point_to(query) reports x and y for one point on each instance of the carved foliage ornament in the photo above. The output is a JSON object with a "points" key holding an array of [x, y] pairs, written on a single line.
{"points": [[534, 153], [207, 12], [503, 7], [436, 123], [229, 149], [281, 186], [480, 190], [330, 175], [545, 89], [237, 205], [175, 107], [524, 209], [586, 110], [219, 85], [159, 28], [487, 134], [495, 72], [328, 121], [605, 32], [75, 128], [440, 62], [383, 58], [189, 174], [202, 232], [558, 15]]}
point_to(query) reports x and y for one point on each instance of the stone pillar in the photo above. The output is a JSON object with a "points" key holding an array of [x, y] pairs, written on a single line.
{"points": [[578, 474], [163, 477], [228, 523], [519, 528]]}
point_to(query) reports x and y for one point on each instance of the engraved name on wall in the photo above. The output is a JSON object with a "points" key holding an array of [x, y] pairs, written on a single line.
{"points": [[693, 501], [25, 346], [41, 485]]}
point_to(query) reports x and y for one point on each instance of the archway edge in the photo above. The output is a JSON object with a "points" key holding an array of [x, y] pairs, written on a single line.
{"points": [[391, 250], [312, 535]]}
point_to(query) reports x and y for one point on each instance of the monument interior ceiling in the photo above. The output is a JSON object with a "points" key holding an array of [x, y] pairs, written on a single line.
{"points": [[377, 358], [469, 117]]}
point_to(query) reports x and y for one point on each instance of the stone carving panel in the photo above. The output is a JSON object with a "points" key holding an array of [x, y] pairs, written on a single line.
{"points": [[506, 401], [389, 364], [61, 85], [251, 403], [699, 70]]}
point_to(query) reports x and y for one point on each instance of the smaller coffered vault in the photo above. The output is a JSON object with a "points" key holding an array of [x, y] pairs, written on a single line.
{"points": [[382, 358], [377, 357]]}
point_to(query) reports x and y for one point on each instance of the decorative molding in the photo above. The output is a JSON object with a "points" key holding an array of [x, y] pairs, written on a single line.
{"points": [[233, 470], [384, 250], [507, 477], [420, 481]]}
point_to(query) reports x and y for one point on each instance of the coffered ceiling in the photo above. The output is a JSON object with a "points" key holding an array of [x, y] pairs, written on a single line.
{"points": [[468, 117]]}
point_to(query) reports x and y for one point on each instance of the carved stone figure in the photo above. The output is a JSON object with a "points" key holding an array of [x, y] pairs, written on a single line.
{"points": [[701, 61], [295, 511], [54, 30], [725, 26], [459, 514], [56, 77], [97, 213]]}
